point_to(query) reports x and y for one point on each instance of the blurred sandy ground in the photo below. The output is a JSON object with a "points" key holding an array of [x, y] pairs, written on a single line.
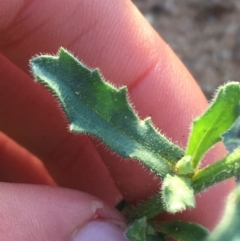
{"points": [[205, 34]]}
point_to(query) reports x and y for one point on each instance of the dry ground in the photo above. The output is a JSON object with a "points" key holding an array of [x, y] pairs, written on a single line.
{"points": [[205, 34]]}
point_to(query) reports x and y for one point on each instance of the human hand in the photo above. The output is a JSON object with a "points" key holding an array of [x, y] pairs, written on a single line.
{"points": [[114, 37]]}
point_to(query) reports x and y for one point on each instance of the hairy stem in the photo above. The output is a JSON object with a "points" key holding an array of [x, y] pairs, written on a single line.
{"points": [[217, 172]]}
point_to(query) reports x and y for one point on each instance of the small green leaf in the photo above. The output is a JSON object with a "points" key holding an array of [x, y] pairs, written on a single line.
{"points": [[184, 166], [141, 230], [137, 231], [219, 117], [229, 227], [177, 193], [97, 108], [184, 231], [217, 172]]}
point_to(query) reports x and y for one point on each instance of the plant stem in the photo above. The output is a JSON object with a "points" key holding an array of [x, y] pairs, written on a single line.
{"points": [[217, 172], [149, 208]]}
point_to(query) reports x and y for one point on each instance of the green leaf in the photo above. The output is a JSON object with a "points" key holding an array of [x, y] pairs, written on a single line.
{"points": [[219, 117], [229, 227], [97, 108], [157, 237], [217, 172], [184, 166], [177, 193], [140, 230], [184, 231], [137, 231]]}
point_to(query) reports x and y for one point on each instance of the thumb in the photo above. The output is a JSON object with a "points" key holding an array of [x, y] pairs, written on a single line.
{"points": [[31, 212]]}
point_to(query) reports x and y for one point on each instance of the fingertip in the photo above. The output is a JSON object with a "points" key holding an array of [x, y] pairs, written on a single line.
{"points": [[101, 231], [33, 212]]}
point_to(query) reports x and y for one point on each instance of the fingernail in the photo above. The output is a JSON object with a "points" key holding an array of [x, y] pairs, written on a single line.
{"points": [[101, 231]]}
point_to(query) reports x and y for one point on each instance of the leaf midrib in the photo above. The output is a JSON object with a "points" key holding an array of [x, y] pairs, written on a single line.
{"points": [[206, 133], [121, 130]]}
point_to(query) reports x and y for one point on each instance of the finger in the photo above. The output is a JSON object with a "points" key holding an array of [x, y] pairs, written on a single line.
{"points": [[128, 52], [30, 212], [20, 166], [131, 53]]}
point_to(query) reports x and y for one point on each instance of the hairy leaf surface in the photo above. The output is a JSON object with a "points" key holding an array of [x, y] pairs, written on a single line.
{"points": [[141, 230], [137, 231], [219, 117], [177, 193], [185, 231], [97, 108]]}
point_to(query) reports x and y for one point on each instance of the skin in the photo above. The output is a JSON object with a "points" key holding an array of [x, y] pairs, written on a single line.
{"points": [[35, 144]]}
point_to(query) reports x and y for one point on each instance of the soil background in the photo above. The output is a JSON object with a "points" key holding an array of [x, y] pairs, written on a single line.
{"points": [[205, 34]]}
